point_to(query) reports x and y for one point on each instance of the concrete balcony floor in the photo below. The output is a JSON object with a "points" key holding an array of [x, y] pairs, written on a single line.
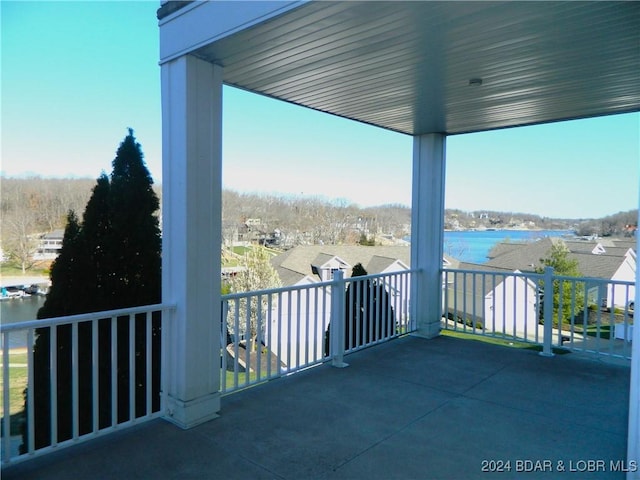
{"points": [[408, 409]]}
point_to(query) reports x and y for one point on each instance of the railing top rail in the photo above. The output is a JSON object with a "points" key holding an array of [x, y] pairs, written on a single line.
{"points": [[493, 272], [328, 283], [595, 280], [540, 276], [51, 322], [270, 291], [381, 275]]}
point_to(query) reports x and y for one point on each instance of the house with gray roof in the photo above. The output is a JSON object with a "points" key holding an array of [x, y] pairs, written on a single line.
{"points": [[492, 299], [50, 245], [502, 299], [317, 262], [605, 262], [310, 267]]}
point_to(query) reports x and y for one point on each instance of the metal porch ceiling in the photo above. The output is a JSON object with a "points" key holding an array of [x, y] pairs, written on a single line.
{"points": [[407, 66]]}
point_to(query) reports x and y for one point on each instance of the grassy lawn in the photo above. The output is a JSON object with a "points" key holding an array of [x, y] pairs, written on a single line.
{"points": [[604, 331], [241, 379], [504, 342], [17, 384], [241, 250], [10, 270]]}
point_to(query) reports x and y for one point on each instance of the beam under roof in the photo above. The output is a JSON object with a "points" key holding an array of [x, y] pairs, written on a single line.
{"points": [[450, 67]]}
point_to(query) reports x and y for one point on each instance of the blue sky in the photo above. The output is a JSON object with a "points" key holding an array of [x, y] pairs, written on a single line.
{"points": [[75, 75]]}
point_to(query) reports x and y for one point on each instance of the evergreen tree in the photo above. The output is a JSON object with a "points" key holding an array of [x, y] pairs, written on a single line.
{"points": [[96, 229], [369, 314], [67, 296], [110, 261], [135, 235], [68, 274]]}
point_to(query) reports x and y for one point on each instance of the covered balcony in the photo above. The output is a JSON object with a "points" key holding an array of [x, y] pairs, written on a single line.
{"points": [[351, 403], [411, 403], [409, 408]]}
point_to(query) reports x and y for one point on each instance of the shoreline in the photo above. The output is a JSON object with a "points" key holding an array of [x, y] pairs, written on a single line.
{"points": [[16, 280]]}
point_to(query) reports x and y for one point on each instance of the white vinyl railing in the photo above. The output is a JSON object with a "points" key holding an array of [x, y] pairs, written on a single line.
{"points": [[590, 315], [270, 333], [70, 379], [106, 370], [103, 368]]}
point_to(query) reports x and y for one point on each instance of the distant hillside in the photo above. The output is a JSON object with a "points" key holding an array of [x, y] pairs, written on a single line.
{"points": [[461, 220], [36, 205], [618, 224]]}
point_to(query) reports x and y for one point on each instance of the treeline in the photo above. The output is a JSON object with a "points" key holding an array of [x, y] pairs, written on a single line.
{"points": [[459, 219], [310, 220], [42, 204], [32, 206], [617, 225]]}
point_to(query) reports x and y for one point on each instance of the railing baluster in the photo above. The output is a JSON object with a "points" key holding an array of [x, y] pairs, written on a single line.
{"points": [[6, 409], [279, 341], [297, 341], [314, 338], [148, 363], [289, 330], [309, 334], [114, 371], [456, 313], [503, 282], [223, 344], [132, 367], [337, 339], [236, 343], [75, 394], [247, 341], [95, 372], [548, 312], [31, 436], [395, 322], [514, 324], [53, 385], [373, 313], [493, 303], [268, 332], [525, 283]]}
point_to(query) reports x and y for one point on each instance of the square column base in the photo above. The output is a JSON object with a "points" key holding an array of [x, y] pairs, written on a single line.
{"points": [[428, 331], [194, 412]]}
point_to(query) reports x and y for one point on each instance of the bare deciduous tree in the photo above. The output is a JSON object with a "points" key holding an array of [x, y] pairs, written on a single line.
{"points": [[21, 243]]}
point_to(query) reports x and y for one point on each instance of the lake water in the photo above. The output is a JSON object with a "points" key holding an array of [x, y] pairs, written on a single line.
{"points": [[20, 310], [474, 246]]}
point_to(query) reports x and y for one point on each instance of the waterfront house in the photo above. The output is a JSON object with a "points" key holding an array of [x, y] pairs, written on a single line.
{"points": [[49, 245], [319, 261], [617, 263], [313, 264], [499, 300]]}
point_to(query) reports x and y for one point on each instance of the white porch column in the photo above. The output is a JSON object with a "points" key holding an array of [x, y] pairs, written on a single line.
{"points": [[633, 441], [427, 224], [191, 236]]}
